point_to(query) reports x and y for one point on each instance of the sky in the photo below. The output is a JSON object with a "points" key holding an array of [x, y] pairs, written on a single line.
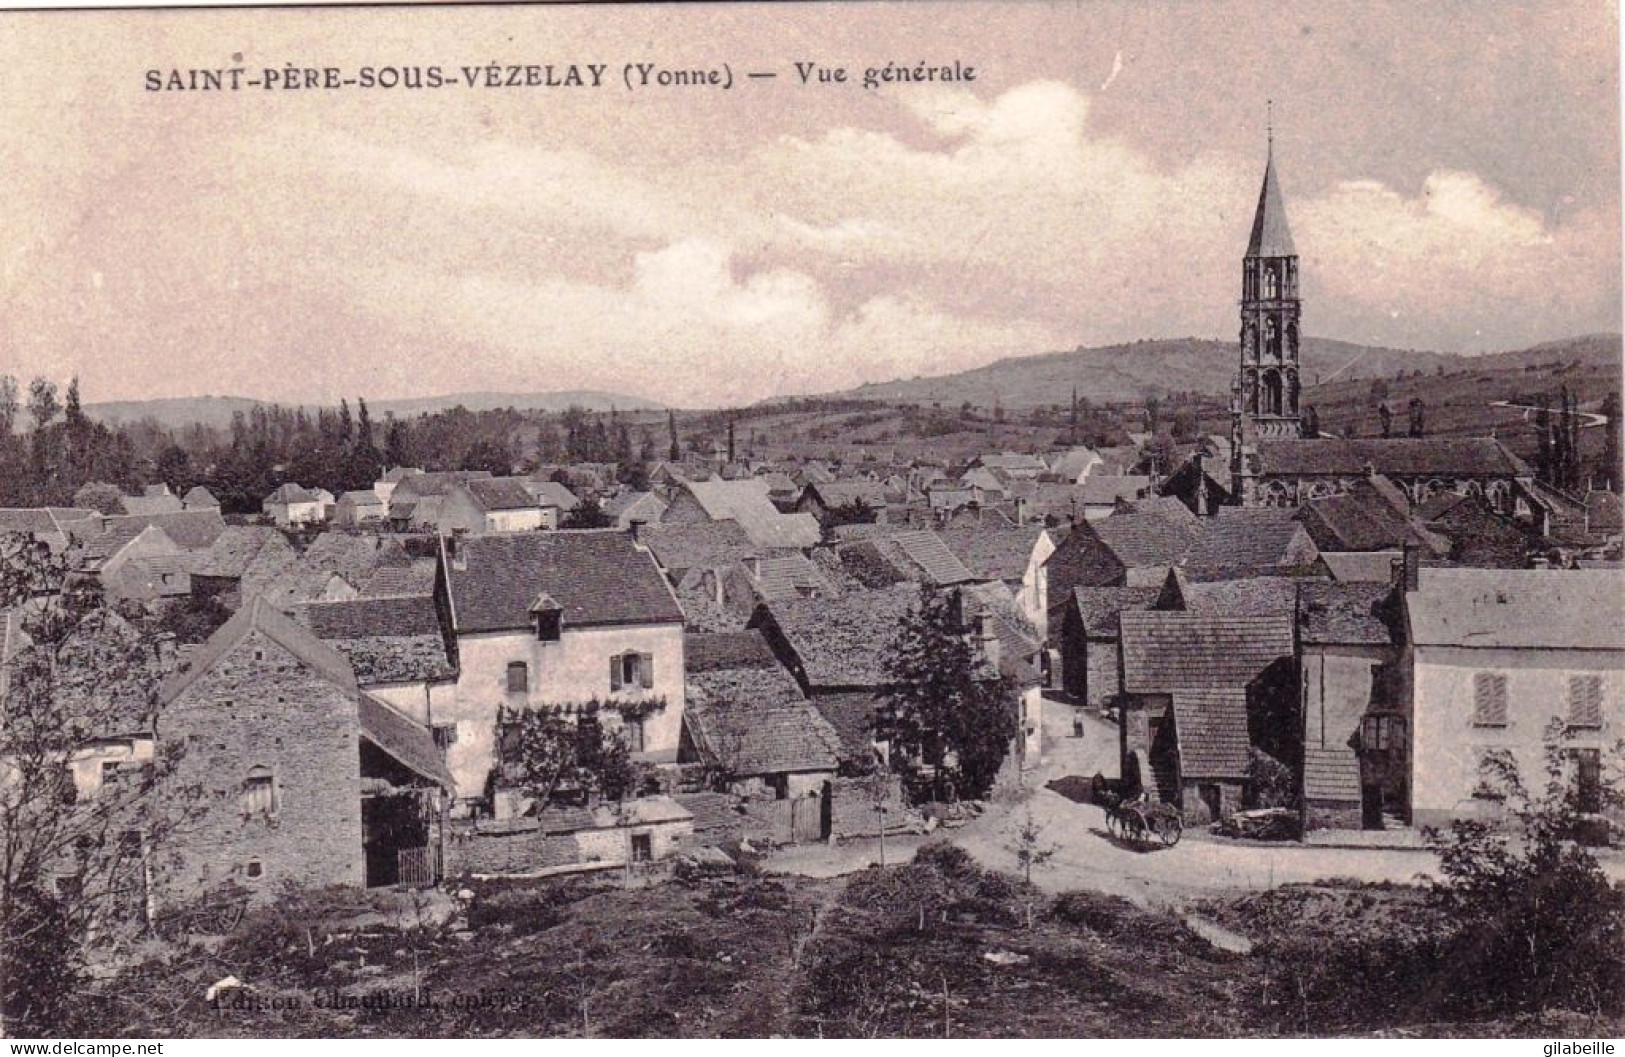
{"points": [[1451, 173]]}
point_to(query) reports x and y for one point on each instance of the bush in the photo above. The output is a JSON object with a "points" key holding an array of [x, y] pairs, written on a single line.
{"points": [[41, 969]]}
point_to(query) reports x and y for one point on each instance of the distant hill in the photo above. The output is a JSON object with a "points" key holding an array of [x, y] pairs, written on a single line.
{"points": [[216, 411], [1136, 370]]}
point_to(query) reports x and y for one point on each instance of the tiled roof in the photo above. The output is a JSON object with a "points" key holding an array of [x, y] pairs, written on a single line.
{"points": [[1073, 462], [552, 493], [843, 641], [635, 506], [1249, 540], [710, 545], [1257, 596], [354, 558], [1211, 727], [852, 716], [192, 530], [361, 497], [199, 497], [437, 483], [598, 577], [1099, 606], [501, 493], [1519, 608], [405, 740], [360, 618], [393, 580], [147, 505], [1105, 489], [1391, 456], [98, 549], [232, 551], [291, 493], [775, 578], [1331, 774], [1163, 652], [752, 737], [842, 493], [258, 615], [1364, 519], [994, 553], [714, 813], [727, 651], [746, 501], [1155, 532], [1343, 613], [1360, 566], [926, 552]]}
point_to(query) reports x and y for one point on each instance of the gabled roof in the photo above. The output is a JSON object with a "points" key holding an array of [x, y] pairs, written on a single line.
{"points": [[994, 552], [1098, 606], [199, 497], [746, 501], [1270, 237], [1390, 456], [1154, 532], [635, 506], [1253, 596], [391, 581], [792, 575], [843, 642], [755, 738], [258, 615], [726, 651], [235, 548], [599, 577], [502, 493], [1107, 489], [1164, 652], [359, 618], [1211, 728], [353, 558], [1242, 541], [1073, 462], [714, 544], [151, 502], [554, 494], [437, 483], [1376, 567], [1371, 516], [192, 530], [1519, 608], [99, 550], [290, 492], [361, 497], [924, 551], [832, 494], [1342, 613], [407, 741]]}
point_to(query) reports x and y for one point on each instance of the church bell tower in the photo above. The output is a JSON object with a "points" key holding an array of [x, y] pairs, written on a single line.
{"points": [[1264, 399]]}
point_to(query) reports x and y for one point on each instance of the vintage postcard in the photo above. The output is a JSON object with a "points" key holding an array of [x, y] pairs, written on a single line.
{"points": [[863, 520]]}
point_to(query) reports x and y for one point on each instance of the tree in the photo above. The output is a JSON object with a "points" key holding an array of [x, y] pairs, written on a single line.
{"points": [[1539, 923], [949, 719], [675, 452], [587, 515], [1543, 440], [1379, 391], [1029, 848], [1417, 410], [543, 754], [488, 455], [101, 497], [1311, 422], [81, 673], [42, 403], [1386, 418]]}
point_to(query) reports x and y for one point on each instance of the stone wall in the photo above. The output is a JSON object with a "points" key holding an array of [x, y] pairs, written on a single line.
{"points": [[1332, 814], [259, 707]]}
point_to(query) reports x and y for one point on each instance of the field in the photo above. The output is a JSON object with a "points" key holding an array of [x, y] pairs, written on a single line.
{"points": [[936, 948]]}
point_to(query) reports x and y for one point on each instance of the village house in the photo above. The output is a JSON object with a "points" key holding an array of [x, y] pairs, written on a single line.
{"points": [[199, 498], [1135, 547], [341, 565], [557, 501], [242, 561], [1356, 764], [1012, 556], [59, 528], [136, 562], [384, 487], [745, 502], [294, 505], [854, 500], [635, 508], [398, 648], [192, 530], [1100, 496], [747, 720], [878, 556], [1072, 466], [154, 499], [360, 507], [570, 620], [1499, 658], [308, 778], [1240, 542], [414, 503], [1201, 692], [1088, 643], [494, 504]]}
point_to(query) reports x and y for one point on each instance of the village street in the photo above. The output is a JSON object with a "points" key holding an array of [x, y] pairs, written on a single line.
{"points": [[1086, 857]]}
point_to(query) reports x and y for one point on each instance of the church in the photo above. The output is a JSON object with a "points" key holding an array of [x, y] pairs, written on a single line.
{"points": [[1272, 461]]}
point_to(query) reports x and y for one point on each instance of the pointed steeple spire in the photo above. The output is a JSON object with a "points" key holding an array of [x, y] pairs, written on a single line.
{"points": [[1271, 236]]}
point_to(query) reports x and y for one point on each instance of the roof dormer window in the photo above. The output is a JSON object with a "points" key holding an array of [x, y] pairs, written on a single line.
{"points": [[547, 618]]}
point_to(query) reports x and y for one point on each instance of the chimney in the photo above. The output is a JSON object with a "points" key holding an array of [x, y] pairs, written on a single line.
{"points": [[637, 531], [1201, 482], [1021, 510], [1412, 557], [754, 565], [989, 639]]}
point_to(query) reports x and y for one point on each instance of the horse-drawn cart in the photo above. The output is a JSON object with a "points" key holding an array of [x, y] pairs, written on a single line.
{"points": [[1134, 816], [214, 914]]}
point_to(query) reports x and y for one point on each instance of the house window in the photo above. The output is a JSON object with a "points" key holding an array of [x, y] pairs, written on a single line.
{"points": [[109, 771], [518, 677], [632, 670], [259, 792], [643, 848], [1585, 701], [1383, 733], [1495, 766], [1489, 700], [632, 732], [1587, 780], [445, 735], [780, 784], [254, 868]]}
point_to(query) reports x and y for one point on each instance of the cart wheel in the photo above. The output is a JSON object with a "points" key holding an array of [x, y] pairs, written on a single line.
{"points": [[225, 917], [1170, 831]]}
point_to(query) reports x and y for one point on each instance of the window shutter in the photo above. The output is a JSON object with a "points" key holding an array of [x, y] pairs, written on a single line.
{"points": [[1489, 700], [615, 673], [646, 670], [1585, 701]]}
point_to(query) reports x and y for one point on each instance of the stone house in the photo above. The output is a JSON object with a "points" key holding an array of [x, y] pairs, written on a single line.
{"points": [[1242, 542], [1100, 496], [57, 527], [825, 500], [1200, 691], [629, 508], [565, 840], [295, 762], [744, 501], [554, 498], [154, 499], [1014, 557], [1088, 643], [199, 498], [1496, 659], [136, 562], [360, 507], [1136, 546], [1356, 763], [294, 505], [494, 504], [571, 620], [397, 645], [414, 501]]}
